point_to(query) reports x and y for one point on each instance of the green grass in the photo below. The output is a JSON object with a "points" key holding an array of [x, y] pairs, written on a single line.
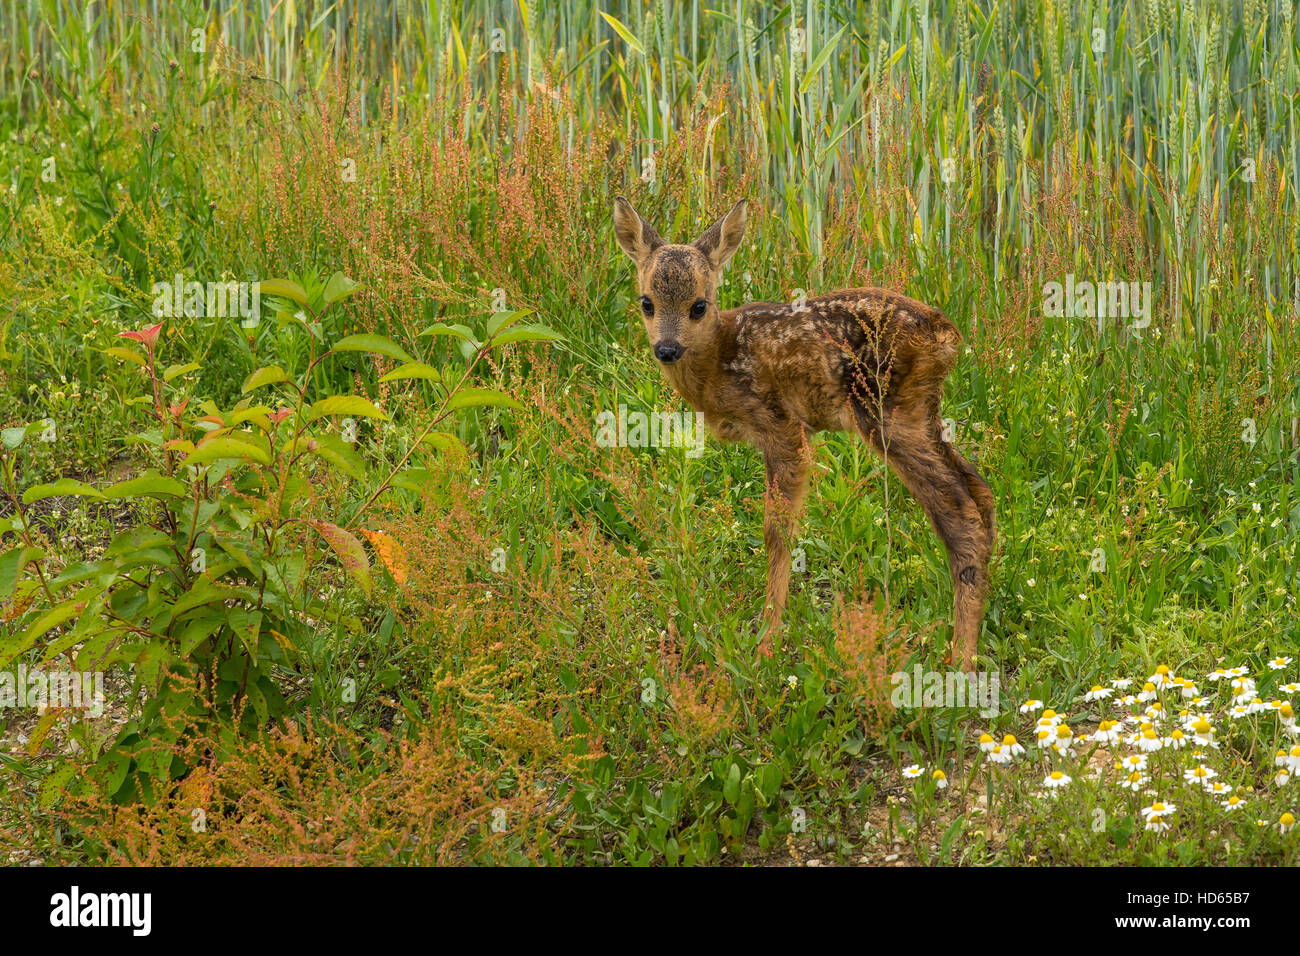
{"points": [[573, 640]]}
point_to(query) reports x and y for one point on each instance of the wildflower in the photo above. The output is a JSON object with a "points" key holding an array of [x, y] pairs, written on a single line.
{"points": [[1155, 815], [1176, 740], [1216, 674], [1135, 781], [1161, 678], [1243, 689], [1293, 761], [1279, 663], [793, 681], [1148, 691], [940, 779], [1287, 714], [1135, 762], [1285, 823], [1097, 693], [1106, 733], [1029, 706], [1013, 746], [912, 772], [987, 743], [999, 755], [1281, 778], [1201, 775], [1241, 671], [1292, 688], [1233, 803], [1056, 779], [1149, 740], [1122, 683]]}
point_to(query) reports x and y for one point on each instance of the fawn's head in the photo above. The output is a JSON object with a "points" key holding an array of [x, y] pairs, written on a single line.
{"points": [[678, 283]]}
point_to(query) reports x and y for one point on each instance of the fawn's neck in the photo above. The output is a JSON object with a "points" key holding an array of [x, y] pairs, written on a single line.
{"points": [[702, 375]]}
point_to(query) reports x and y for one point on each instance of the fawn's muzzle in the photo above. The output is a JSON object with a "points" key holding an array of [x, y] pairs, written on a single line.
{"points": [[668, 352]]}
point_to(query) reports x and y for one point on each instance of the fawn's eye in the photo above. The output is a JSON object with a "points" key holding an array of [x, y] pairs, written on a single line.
{"points": [[698, 309], [647, 306]]}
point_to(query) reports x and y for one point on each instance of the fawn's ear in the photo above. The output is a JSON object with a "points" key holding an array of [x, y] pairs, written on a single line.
{"points": [[635, 235], [720, 241]]}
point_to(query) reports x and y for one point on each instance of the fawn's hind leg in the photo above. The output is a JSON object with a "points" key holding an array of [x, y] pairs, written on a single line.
{"points": [[959, 505]]}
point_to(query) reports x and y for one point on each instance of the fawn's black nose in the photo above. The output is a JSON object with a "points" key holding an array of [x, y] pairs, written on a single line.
{"points": [[668, 352]]}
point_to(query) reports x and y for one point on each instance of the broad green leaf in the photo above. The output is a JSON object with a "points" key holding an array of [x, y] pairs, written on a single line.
{"points": [[284, 288], [463, 332], [344, 405], [413, 370], [174, 370], [267, 375], [11, 647], [468, 397], [12, 563], [109, 772], [154, 486], [338, 288], [368, 342], [226, 446], [247, 624], [503, 320], [51, 790], [338, 452], [348, 550], [445, 441], [528, 333], [64, 486], [413, 479], [205, 591], [127, 355], [256, 413]]}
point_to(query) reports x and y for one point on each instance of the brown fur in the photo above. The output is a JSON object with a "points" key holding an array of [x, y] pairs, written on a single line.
{"points": [[865, 360]]}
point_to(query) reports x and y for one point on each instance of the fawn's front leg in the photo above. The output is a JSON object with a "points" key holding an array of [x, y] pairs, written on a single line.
{"points": [[787, 481]]}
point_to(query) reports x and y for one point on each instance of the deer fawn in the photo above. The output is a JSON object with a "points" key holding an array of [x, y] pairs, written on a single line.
{"points": [[865, 360]]}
